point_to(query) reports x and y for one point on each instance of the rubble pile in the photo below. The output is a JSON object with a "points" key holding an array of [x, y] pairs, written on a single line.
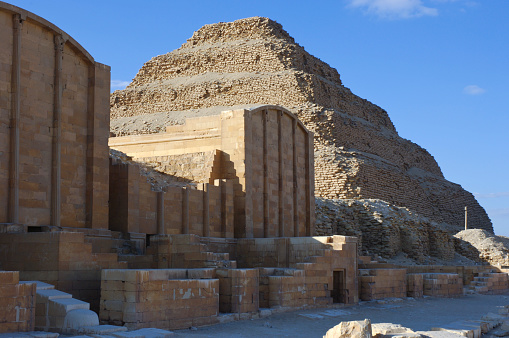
{"points": [[158, 180], [486, 246], [384, 229]]}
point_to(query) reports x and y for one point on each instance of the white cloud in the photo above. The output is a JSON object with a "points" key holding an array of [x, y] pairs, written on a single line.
{"points": [[119, 84], [473, 90], [394, 9], [492, 194]]}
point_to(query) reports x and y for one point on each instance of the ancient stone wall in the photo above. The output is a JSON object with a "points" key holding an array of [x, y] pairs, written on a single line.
{"points": [[17, 310], [254, 61], [135, 206], [265, 150], [321, 258], [382, 283], [191, 167], [62, 259], [53, 126], [161, 298]]}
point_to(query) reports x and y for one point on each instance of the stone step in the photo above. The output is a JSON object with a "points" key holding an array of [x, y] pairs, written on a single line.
{"points": [[462, 328], [144, 333], [439, 334], [31, 334], [60, 307], [45, 295], [101, 330], [39, 285]]}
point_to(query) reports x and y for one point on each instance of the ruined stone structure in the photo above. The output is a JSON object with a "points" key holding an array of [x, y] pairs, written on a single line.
{"points": [[53, 126], [210, 221], [358, 153], [266, 151], [74, 218]]}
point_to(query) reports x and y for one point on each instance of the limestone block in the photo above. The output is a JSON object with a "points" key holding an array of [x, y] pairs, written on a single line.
{"points": [[382, 330], [61, 306], [76, 319], [353, 329]]}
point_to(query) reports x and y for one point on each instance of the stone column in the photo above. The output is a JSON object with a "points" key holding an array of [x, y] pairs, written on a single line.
{"points": [[206, 223], [309, 177], [13, 207], [295, 181], [185, 211], [160, 213], [57, 112], [265, 176], [281, 216]]}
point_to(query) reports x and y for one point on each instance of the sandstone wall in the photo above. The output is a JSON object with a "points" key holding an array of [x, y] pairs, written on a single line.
{"points": [[62, 259], [136, 207], [158, 298], [265, 150], [17, 312], [322, 259], [53, 126]]}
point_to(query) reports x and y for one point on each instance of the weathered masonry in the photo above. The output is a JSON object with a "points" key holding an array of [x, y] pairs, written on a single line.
{"points": [[265, 150], [211, 220], [53, 126]]}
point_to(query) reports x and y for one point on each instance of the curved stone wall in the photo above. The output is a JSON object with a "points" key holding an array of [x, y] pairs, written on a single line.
{"points": [[54, 119]]}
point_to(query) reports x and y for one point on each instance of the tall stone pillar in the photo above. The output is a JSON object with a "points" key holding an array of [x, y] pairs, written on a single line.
{"points": [[57, 113], [13, 206]]}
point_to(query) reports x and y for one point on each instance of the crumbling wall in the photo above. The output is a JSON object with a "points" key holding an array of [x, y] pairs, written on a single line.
{"points": [[384, 229]]}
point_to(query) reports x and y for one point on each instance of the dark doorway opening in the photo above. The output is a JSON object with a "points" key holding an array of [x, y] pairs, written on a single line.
{"points": [[338, 287]]}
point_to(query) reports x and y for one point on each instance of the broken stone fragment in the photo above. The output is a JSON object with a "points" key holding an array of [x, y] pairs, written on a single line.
{"points": [[353, 329]]}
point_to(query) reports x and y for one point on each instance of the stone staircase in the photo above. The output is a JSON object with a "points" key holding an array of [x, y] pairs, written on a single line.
{"points": [[178, 251], [57, 311], [186, 252], [489, 281]]}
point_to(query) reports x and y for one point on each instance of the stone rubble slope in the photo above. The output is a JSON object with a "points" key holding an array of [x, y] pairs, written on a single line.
{"points": [[358, 152], [490, 248], [159, 181], [385, 230]]}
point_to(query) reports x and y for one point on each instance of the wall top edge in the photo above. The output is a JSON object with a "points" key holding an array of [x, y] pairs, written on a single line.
{"points": [[286, 111], [45, 23]]}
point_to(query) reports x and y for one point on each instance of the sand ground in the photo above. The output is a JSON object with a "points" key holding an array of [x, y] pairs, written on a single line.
{"points": [[417, 314]]}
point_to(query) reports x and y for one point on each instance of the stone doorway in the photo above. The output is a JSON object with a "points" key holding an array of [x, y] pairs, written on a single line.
{"points": [[338, 286]]}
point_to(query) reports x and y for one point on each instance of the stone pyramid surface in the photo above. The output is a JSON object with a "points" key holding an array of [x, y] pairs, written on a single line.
{"points": [[358, 152]]}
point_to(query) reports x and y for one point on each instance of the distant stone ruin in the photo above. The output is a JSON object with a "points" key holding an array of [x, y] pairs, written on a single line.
{"points": [[358, 152]]}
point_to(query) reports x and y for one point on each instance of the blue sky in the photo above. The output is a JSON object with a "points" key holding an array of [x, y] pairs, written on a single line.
{"points": [[439, 67]]}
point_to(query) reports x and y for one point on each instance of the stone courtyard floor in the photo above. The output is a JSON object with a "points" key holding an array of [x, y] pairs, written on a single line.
{"points": [[417, 314]]}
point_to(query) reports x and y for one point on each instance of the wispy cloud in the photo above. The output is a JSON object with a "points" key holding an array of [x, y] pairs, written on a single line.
{"points": [[119, 84], [394, 9], [499, 212], [492, 194], [473, 90]]}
